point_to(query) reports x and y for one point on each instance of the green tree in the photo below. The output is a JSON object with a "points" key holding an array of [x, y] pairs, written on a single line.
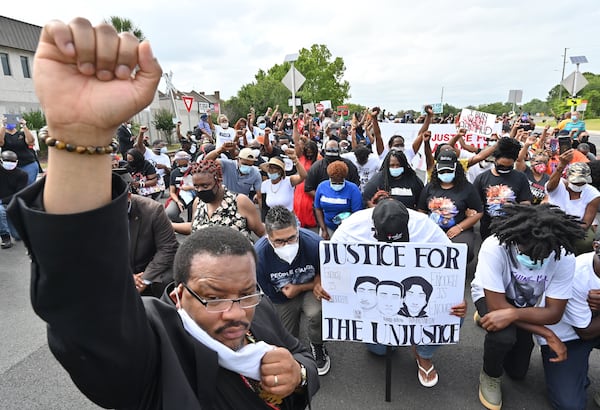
{"points": [[123, 24], [323, 82], [35, 119], [536, 106], [163, 122]]}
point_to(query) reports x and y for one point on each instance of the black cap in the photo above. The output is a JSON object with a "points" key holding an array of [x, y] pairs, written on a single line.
{"points": [[390, 219], [446, 160]]}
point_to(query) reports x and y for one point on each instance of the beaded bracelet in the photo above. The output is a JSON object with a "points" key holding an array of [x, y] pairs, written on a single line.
{"points": [[53, 142]]}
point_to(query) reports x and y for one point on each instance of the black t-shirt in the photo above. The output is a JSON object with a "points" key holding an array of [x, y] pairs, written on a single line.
{"points": [[447, 207], [406, 189], [537, 188], [495, 191], [16, 143]]}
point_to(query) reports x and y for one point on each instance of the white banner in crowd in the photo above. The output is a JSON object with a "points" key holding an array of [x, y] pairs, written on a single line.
{"points": [[392, 293], [440, 134]]}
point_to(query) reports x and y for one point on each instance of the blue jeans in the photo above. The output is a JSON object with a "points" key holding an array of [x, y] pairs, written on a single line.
{"points": [[6, 227], [566, 381], [32, 170]]}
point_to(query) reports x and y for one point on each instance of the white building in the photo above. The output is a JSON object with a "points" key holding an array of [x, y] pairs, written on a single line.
{"points": [[18, 42]]}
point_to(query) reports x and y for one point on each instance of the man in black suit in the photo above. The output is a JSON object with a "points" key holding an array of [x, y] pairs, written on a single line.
{"points": [[125, 138], [213, 341], [152, 247]]}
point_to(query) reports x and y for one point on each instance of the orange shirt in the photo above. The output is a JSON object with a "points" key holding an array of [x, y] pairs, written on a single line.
{"points": [[553, 162]]}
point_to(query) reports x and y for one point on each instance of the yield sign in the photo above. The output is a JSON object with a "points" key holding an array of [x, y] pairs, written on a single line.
{"points": [[188, 101]]}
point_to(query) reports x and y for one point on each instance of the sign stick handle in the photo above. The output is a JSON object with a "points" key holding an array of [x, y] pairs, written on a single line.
{"points": [[388, 373]]}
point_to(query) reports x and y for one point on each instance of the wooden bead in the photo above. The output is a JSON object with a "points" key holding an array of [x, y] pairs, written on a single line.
{"points": [[79, 149]]}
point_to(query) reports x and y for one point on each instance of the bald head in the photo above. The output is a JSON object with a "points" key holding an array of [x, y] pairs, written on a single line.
{"points": [[9, 156]]}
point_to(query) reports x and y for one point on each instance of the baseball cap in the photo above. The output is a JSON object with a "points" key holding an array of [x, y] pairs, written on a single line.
{"points": [[260, 119], [204, 116], [248, 153], [181, 155], [446, 161], [390, 219], [579, 172]]}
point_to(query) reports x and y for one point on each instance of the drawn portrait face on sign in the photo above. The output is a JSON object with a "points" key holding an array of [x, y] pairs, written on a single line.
{"points": [[389, 297], [366, 291], [417, 292]]}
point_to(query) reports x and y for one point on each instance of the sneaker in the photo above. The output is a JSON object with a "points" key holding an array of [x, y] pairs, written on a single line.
{"points": [[490, 391], [319, 352], [477, 318], [6, 242]]}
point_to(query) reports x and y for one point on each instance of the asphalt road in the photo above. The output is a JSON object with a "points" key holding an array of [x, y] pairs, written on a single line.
{"points": [[32, 379]]}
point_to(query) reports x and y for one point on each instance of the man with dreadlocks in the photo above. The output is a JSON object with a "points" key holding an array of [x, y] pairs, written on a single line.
{"points": [[528, 256]]}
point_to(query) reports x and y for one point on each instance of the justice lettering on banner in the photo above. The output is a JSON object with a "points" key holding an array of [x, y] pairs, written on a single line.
{"points": [[392, 293]]}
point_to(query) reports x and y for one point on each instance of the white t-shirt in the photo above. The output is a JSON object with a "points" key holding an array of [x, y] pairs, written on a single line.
{"points": [[366, 171], [577, 313], [498, 271], [223, 135], [477, 169], [358, 227], [154, 159], [281, 193], [575, 207]]}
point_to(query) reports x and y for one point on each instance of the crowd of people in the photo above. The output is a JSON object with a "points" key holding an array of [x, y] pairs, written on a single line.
{"points": [[255, 200]]}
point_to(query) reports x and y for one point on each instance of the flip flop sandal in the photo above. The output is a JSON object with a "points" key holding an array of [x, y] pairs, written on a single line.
{"points": [[423, 380]]}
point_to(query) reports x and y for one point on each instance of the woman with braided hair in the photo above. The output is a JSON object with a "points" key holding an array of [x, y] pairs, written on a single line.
{"points": [[522, 283], [216, 205]]}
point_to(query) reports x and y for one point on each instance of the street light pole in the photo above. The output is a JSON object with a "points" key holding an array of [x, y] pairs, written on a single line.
{"points": [[562, 77]]}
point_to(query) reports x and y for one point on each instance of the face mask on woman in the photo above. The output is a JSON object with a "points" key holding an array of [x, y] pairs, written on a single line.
{"points": [[396, 172], [540, 168], [206, 195], [336, 186], [447, 177], [273, 176]]}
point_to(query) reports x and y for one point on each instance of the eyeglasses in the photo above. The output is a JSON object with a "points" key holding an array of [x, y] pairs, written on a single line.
{"points": [[282, 242], [224, 305]]}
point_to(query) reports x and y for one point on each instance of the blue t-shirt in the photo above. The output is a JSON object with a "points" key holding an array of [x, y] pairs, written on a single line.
{"points": [[348, 199], [240, 183], [579, 126], [274, 273]]}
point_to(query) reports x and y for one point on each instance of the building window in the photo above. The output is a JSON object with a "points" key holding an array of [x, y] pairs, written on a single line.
{"points": [[25, 67], [5, 65]]}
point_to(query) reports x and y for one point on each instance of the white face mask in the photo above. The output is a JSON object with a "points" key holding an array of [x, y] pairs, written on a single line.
{"points": [[9, 166], [224, 125], [575, 188], [287, 252], [163, 150]]}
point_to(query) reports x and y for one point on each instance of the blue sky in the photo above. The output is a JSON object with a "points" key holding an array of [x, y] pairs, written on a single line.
{"points": [[398, 55]]}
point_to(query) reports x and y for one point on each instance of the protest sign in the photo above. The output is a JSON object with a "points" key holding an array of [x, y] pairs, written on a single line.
{"points": [[392, 293], [440, 134]]}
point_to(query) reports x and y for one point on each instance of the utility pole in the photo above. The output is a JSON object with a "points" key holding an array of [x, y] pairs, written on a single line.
{"points": [[562, 77]]}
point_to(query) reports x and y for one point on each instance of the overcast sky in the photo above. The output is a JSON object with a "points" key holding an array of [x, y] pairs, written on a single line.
{"points": [[398, 55]]}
